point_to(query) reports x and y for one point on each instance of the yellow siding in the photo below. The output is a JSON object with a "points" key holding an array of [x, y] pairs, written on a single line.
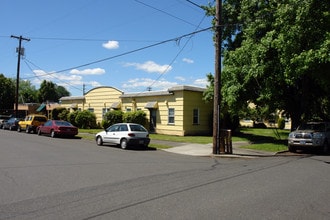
{"points": [[100, 98], [182, 101]]}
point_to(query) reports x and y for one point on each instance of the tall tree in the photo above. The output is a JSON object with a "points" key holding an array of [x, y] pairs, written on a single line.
{"points": [[51, 92], [278, 57], [61, 91], [7, 94], [47, 92], [27, 92]]}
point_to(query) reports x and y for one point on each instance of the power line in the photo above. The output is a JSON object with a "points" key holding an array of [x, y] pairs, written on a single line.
{"points": [[28, 61], [128, 52], [173, 16], [176, 56]]}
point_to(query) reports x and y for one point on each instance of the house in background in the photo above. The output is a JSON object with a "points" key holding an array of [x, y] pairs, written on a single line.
{"points": [[180, 110]]}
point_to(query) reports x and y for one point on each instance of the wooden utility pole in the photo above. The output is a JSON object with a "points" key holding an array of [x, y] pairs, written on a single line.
{"points": [[217, 148], [19, 51]]}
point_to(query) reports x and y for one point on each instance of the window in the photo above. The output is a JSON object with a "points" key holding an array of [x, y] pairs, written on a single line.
{"points": [[195, 116], [91, 109], [105, 110], [171, 115], [128, 109]]}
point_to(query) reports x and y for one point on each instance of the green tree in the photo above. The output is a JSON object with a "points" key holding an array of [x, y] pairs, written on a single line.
{"points": [[61, 91], [27, 92], [7, 94], [49, 91], [278, 56]]}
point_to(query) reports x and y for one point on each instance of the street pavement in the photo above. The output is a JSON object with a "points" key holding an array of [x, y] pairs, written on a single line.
{"points": [[193, 149]]}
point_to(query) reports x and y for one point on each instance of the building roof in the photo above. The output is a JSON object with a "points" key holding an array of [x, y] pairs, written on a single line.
{"points": [[68, 98], [108, 87], [165, 92], [187, 88]]}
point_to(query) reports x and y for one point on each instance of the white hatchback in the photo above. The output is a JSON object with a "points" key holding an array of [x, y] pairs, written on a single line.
{"points": [[124, 134]]}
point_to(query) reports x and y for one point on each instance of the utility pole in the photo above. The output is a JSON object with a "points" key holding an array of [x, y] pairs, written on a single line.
{"points": [[19, 51], [217, 148]]}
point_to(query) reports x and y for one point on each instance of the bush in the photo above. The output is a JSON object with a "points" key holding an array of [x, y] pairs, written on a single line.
{"points": [[112, 117], [138, 117], [72, 117], [281, 123], [86, 119], [54, 114], [63, 114]]}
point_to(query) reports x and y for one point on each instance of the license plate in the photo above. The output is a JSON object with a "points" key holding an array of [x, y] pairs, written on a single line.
{"points": [[141, 141], [302, 142]]}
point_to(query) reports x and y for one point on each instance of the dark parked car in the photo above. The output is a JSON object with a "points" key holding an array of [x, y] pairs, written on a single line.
{"points": [[3, 119], [312, 135], [11, 124], [56, 128], [124, 134]]}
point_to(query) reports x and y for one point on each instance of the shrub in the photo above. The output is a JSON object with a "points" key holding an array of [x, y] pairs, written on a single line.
{"points": [[112, 117], [63, 114], [54, 114], [281, 123], [138, 117], [86, 119], [72, 117]]}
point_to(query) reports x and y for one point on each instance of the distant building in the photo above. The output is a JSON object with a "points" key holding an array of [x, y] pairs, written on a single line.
{"points": [[180, 110]]}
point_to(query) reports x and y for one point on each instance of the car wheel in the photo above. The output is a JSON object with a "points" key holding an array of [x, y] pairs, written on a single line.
{"points": [[52, 133], [38, 132], [27, 129], [10, 128], [19, 129], [123, 143], [292, 149], [99, 141]]}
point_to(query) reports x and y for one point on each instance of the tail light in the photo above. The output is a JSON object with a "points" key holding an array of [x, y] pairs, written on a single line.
{"points": [[131, 135]]}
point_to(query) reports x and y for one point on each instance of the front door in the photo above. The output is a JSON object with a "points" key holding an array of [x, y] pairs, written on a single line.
{"points": [[153, 118]]}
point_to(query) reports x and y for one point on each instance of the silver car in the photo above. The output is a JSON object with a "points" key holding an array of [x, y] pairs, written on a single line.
{"points": [[124, 134], [312, 135]]}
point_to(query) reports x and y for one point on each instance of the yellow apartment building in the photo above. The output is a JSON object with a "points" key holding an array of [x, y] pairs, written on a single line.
{"points": [[180, 110]]}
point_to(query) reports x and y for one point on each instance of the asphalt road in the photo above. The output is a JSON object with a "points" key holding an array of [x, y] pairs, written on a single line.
{"points": [[46, 178]]}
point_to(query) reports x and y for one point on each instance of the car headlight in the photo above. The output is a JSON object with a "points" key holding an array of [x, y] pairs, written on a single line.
{"points": [[291, 135]]}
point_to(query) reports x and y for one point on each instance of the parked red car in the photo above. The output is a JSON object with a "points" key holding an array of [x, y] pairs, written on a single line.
{"points": [[56, 128]]}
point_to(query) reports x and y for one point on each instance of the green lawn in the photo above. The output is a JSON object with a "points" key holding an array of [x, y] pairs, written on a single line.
{"points": [[259, 139]]}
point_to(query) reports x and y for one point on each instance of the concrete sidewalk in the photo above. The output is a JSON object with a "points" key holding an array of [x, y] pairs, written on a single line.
{"points": [[193, 149]]}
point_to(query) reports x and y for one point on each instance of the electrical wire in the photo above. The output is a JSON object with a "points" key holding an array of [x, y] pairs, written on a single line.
{"points": [[26, 61], [126, 53], [164, 12]]}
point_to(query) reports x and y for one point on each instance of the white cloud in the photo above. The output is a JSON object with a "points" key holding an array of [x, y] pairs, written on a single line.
{"points": [[201, 82], [111, 45], [180, 78], [135, 85], [94, 83], [95, 71], [186, 60], [151, 67]]}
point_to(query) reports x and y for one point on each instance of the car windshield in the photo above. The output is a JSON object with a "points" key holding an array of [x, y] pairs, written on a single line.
{"points": [[137, 128], [62, 123], [312, 126]]}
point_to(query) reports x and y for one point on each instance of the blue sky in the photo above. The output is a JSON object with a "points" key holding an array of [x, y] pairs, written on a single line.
{"points": [[131, 45]]}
